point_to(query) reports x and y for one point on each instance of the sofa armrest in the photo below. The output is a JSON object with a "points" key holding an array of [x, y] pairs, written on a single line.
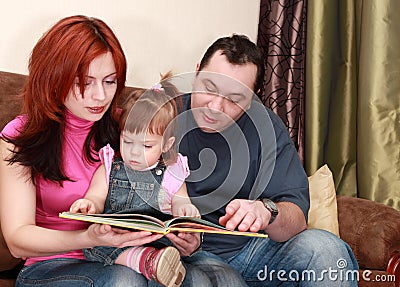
{"points": [[11, 86], [371, 229], [393, 267]]}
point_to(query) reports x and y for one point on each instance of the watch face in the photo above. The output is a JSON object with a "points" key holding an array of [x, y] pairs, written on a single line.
{"points": [[271, 206]]}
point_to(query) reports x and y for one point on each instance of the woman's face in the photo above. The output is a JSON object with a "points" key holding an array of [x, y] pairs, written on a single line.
{"points": [[100, 88]]}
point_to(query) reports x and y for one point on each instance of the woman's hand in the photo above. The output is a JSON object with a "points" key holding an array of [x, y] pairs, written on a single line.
{"points": [[186, 243], [105, 235]]}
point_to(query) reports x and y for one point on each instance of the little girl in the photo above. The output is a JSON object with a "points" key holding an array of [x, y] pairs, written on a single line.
{"points": [[148, 177]]}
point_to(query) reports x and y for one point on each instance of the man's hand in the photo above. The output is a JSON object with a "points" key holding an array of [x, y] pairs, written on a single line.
{"points": [[252, 215], [245, 215], [186, 243]]}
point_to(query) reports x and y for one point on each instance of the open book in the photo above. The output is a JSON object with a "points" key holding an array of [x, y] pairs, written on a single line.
{"points": [[152, 224]]}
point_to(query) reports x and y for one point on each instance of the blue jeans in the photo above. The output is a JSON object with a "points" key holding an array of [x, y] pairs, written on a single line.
{"points": [[78, 273], [201, 271], [311, 258], [207, 269]]}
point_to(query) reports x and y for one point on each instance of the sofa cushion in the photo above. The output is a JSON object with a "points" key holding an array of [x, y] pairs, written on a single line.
{"points": [[323, 207], [371, 229], [11, 86]]}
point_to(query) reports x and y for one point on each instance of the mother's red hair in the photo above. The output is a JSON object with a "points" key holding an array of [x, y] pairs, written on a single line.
{"points": [[63, 53]]}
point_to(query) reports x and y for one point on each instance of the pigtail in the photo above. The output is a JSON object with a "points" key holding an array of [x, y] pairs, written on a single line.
{"points": [[170, 89]]}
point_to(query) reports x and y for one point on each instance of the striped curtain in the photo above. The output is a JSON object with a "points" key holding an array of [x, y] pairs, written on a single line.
{"points": [[281, 35]]}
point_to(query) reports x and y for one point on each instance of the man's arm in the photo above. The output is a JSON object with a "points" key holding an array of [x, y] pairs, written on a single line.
{"points": [[288, 223]]}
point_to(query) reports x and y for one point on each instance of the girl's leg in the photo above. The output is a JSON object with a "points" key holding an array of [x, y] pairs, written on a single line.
{"points": [[163, 265]]}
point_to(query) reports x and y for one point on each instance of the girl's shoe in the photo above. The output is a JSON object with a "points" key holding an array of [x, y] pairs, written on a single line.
{"points": [[163, 265]]}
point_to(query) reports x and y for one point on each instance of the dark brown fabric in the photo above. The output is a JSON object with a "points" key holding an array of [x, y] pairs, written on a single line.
{"points": [[281, 35], [375, 278], [371, 229], [7, 282], [10, 104]]}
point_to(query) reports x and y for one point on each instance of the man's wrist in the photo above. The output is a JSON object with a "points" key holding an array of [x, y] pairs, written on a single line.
{"points": [[271, 207]]}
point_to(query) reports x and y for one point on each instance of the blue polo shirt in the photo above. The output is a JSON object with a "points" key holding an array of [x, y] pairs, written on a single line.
{"points": [[253, 158]]}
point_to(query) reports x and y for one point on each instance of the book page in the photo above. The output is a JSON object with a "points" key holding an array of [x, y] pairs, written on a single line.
{"points": [[193, 224], [131, 221], [129, 217]]}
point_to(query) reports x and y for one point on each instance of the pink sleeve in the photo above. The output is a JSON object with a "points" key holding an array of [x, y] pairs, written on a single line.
{"points": [[174, 177], [106, 155], [14, 127]]}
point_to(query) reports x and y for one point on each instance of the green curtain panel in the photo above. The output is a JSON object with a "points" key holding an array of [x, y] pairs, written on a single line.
{"points": [[352, 110]]}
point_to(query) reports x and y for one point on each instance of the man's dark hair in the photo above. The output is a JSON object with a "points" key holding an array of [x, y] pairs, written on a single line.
{"points": [[239, 50]]}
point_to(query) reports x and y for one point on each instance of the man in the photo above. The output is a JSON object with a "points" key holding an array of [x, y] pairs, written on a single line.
{"points": [[246, 175]]}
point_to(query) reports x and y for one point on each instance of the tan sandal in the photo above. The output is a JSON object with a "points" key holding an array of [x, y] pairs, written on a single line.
{"points": [[164, 266]]}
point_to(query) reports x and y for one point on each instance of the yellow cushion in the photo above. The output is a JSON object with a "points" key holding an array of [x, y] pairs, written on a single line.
{"points": [[323, 205]]}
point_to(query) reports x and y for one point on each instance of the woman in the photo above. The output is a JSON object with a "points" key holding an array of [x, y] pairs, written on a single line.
{"points": [[77, 72]]}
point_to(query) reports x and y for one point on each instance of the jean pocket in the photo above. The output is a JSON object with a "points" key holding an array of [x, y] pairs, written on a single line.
{"points": [[127, 196]]}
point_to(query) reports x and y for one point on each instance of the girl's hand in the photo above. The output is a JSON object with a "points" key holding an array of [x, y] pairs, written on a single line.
{"points": [[186, 243], [83, 206], [188, 209], [105, 235]]}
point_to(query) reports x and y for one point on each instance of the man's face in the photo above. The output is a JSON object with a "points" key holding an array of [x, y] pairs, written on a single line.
{"points": [[222, 92]]}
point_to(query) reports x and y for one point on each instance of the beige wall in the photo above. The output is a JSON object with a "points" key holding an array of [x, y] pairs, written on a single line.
{"points": [[157, 35]]}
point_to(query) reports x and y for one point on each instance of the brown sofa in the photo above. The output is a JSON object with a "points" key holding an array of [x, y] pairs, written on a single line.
{"points": [[371, 229]]}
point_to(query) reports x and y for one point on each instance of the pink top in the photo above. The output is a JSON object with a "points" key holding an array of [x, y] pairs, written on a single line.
{"points": [[174, 176], [51, 199]]}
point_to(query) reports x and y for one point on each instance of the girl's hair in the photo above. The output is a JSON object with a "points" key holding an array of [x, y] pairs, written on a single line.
{"points": [[62, 54], [154, 111]]}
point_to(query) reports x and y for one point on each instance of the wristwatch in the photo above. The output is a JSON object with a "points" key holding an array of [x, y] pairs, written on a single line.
{"points": [[271, 206]]}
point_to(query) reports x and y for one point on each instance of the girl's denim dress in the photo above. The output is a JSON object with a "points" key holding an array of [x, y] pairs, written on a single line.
{"points": [[131, 192]]}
